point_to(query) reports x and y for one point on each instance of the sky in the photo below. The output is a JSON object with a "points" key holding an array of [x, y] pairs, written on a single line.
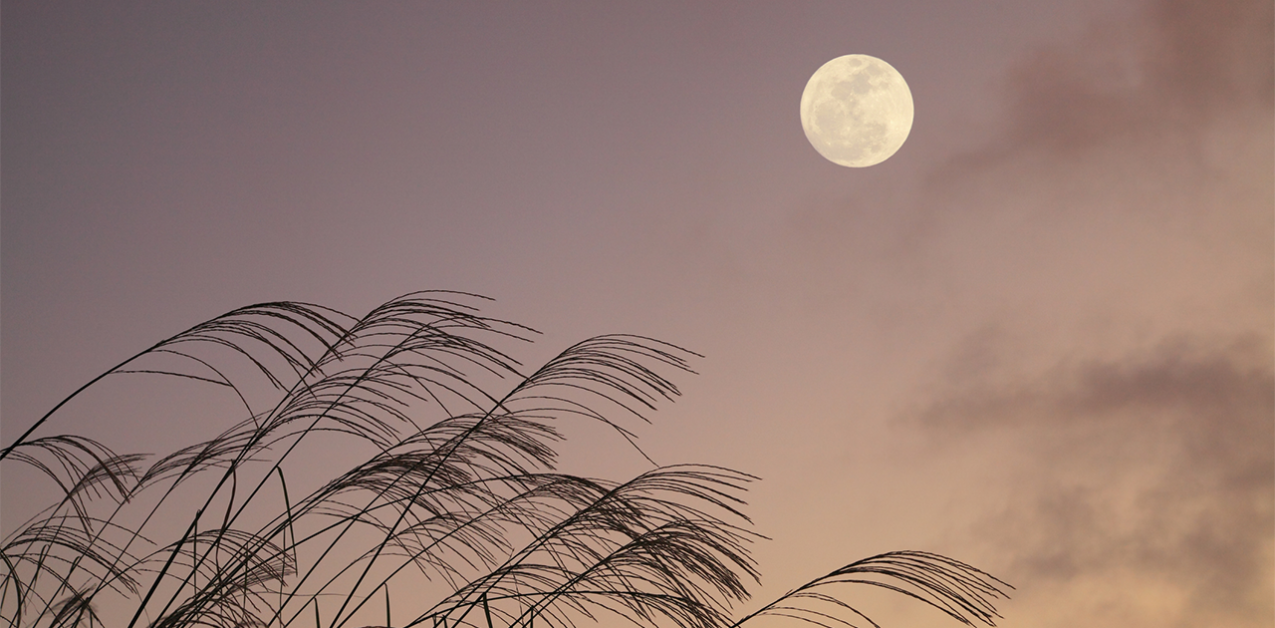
{"points": [[1038, 338]]}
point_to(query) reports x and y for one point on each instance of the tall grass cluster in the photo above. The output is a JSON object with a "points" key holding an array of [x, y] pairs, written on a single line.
{"points": [[456, 516]]}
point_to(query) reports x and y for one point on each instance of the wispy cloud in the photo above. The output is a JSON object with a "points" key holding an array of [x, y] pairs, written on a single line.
{"points": [[1169, 74], [1149, 478]]}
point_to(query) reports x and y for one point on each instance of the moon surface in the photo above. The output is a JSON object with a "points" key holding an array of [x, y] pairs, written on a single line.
{"points": [[856, 110]]}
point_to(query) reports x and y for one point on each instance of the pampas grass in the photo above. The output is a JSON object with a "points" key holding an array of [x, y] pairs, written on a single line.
{"points": [[456, 516]]}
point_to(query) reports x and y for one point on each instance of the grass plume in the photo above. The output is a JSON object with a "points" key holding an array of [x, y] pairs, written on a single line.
{"points": [[459, 488]]}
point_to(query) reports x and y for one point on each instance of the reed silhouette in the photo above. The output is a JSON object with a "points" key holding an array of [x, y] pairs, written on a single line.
{"points": [[457, 515]]}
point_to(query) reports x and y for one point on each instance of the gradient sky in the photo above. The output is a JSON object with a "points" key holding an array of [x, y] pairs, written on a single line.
{"points": [[1038, 338]]}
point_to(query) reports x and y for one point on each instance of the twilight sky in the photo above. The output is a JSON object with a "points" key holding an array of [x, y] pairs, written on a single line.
{"points": [[1038, 338]]}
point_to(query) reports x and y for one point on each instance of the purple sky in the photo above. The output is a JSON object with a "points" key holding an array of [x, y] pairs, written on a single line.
{"points": [[1038, 338]]}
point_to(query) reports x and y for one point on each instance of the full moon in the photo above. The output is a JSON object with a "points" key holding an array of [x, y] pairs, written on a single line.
{"points": [[856, 110]]}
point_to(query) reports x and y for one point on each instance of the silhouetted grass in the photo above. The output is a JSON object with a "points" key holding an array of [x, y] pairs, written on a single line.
{"points": [[461, 488]]}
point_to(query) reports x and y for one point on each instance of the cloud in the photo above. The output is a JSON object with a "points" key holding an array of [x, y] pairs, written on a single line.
{"points": [[1142, 478], [1103, 264], [1170, 73], [1167, 114]]}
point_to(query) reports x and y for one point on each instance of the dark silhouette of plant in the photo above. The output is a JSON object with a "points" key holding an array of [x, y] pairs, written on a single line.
{"points": [[459, 486]]}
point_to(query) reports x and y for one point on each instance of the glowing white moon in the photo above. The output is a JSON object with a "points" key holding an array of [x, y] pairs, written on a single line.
{"points": [[856, 110]]}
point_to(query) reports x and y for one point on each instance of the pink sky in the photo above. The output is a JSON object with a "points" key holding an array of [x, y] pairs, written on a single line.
{"points": [[1038, 338]]}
